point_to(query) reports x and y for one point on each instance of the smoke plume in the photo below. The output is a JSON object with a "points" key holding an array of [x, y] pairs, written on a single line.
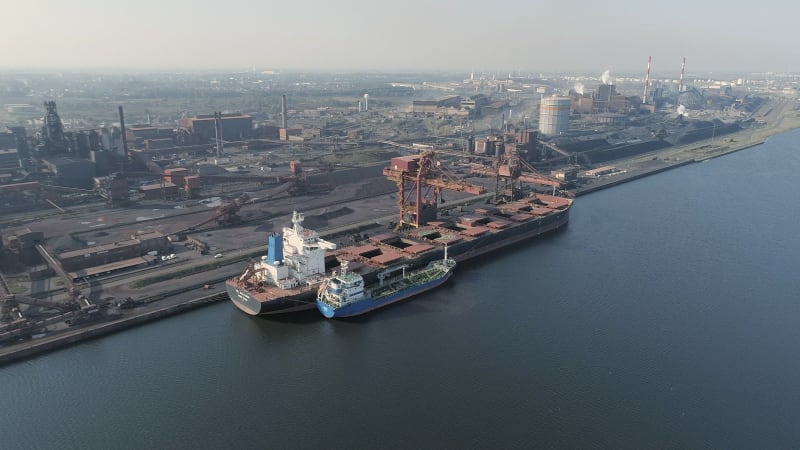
{"points": [[579, 88], [605, 78], [681, 110]]}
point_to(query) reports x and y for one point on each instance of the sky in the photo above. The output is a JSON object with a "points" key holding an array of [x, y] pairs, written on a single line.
{"points": [[404, 35]]}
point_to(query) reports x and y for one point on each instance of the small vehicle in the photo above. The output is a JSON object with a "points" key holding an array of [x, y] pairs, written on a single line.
{"points": [[218, 255]]}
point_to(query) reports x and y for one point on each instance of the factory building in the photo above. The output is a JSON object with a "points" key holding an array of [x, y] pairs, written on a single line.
{"points": [[584, 104], [290, 134], [9, 160], [8, 141], [610, 119], [450, 106], [19, 108], [603, 96], [526, 141], [104, 162], [166, 191], [150, 137], [152, 241], [554, 115], [355, 134], [71, 171], [424, 107], [113, 187], [492, 145], [622, 104], [158, 144], [606, 99], [111, 139], [116, 251], [234, 127], [266, 131], [28, 193], [569, 174], [22, 244]]}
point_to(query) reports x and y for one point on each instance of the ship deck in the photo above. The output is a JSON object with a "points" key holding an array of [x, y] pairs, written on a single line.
{"points": [[462, 231]]}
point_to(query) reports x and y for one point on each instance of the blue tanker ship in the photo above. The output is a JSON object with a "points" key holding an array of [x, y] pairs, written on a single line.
{"points": [[345, 295]]}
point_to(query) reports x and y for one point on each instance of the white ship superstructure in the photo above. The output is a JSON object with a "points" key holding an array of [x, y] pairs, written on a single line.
{"points": [[295, 257]]}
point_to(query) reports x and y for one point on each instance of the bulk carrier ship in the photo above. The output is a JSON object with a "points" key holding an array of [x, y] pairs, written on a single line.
{"points": [[298, 260], [280, 282]]}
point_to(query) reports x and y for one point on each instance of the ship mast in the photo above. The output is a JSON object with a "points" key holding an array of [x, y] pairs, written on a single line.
{"points": [[297, 222]]}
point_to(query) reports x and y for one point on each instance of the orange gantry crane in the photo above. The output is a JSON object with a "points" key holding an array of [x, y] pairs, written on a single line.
{"points": [[415, 173], [508, 172], [77, 308]]}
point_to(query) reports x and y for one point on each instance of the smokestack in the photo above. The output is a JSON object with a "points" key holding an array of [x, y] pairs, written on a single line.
{"points": [[283, 111], [647, 79], [218, 132], [683, 69], [124, 139]]}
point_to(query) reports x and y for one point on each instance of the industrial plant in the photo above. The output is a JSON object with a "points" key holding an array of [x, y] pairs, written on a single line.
{"points": [[118, 209]]}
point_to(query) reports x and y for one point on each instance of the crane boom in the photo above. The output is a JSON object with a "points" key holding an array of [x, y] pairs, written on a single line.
{"points": [[418, 172], [72, 290], [440, 183]]}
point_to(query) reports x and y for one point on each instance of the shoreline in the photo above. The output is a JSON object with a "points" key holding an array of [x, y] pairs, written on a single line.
{"points": [[42, 346], [648, 164], [786, 119]]}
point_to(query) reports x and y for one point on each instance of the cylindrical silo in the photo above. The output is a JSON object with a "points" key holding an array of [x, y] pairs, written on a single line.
{"points": [[554, 115]]}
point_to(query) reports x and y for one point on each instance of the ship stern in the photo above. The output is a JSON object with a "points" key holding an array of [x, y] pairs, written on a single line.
{"points": [[327, 310], [243, 300]]}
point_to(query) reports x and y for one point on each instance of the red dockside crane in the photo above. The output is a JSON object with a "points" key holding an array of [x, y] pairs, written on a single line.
{"points": [[414, 173]]}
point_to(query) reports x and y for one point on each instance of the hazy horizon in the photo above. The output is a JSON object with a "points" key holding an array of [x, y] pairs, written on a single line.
{"points": [[415, 36]]}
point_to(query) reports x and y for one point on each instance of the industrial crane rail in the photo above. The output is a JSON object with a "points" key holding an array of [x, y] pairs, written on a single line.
{"points": [[4, 289], [73, 290], [50, 304], [225, 214], [556, 149]]}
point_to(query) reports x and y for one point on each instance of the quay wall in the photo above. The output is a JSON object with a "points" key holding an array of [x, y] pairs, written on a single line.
{"points": [[84, 333]]}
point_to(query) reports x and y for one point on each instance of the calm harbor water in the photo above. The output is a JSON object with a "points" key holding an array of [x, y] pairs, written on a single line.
{"points": [[666, 315]]}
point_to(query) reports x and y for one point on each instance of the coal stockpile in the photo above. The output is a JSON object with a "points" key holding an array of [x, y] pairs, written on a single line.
{"points": [[321, 220], [584, 145], [752, 104], [703, 130], [624, 151]]}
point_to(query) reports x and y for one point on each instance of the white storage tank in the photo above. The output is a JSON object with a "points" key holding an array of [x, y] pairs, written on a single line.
{"points": [[554, 115]]}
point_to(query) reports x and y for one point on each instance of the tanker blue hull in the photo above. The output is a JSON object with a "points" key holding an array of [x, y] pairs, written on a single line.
{"points": [[369, 304]]}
